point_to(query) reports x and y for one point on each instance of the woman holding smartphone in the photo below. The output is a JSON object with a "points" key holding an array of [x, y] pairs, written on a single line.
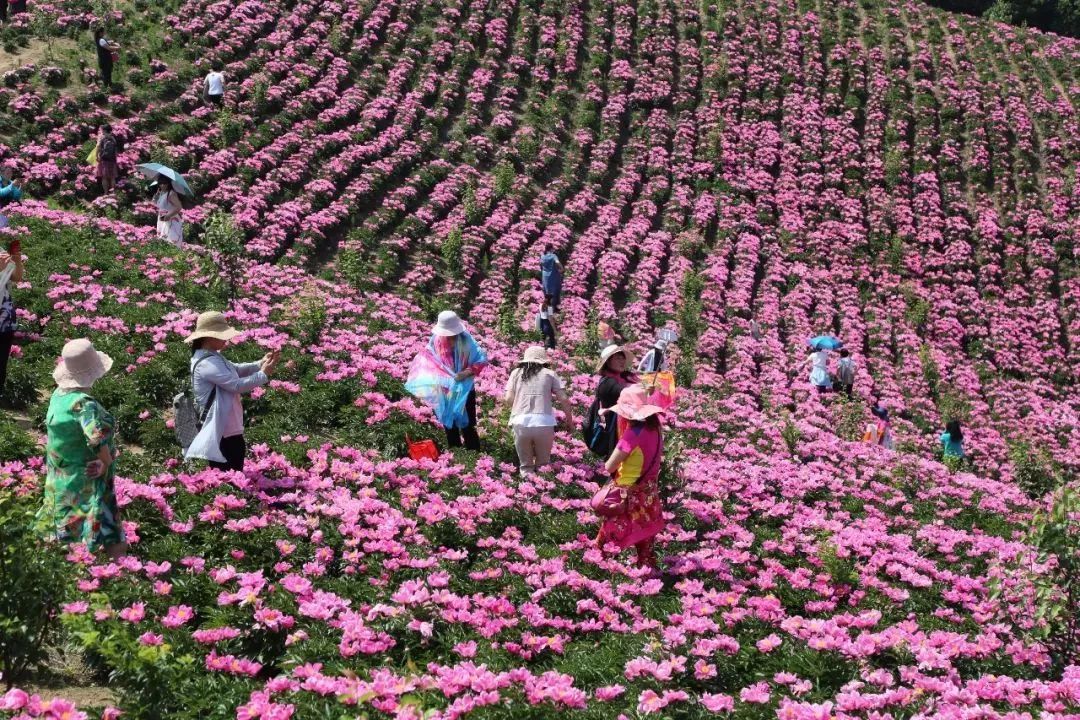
{"points": [[11, 272], [218, 385]]}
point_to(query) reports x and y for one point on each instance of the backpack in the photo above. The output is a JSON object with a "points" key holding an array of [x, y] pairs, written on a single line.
{"points": [[845, 371], [188, 421], [598, 431], [107, 148]]}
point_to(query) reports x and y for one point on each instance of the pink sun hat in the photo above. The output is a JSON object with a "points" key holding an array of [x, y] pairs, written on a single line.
{"points": [[634, 405]]}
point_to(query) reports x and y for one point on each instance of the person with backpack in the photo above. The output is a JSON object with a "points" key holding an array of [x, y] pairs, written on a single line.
{"points": [[443, 376], [170, 226], [217, 385], [600, 433], [79, 501], [551, 276], [529, 392], [845, 373], [107, 53], [545, 320], [629, 505], [952, 441], [107, 149], [11, 272]]}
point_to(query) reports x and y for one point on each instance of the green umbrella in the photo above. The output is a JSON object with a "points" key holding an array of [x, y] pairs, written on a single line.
{"points": [[152, 170]]}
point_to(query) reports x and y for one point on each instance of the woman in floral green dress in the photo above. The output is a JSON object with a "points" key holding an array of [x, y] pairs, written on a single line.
{"points": [[80, 500]]}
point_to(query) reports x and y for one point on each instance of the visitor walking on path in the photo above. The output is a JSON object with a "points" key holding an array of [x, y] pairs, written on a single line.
{"points": [[635, 468], [11, 272], [845, 373], [529, 392], [952, 440], [545, 319], [79, 502], [108, 52], [107, 148], [819, 370], [551, 275], [214, 85], [170, 227], [443, 376], [218, 385]]}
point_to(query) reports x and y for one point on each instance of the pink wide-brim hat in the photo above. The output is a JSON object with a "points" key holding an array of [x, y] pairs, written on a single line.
{"points": [[80, 365], [634, 405]]}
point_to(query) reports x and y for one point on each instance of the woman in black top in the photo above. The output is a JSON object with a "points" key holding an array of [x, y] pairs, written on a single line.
{"points": [[614, 375], [105, 49]]}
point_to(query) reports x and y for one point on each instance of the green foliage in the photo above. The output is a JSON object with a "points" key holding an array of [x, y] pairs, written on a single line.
{"points": [[231, 128], [1034, 470], [931, 372], [848, 419], [505, 176], [452, 245], [33, 577], [15, 443], [226, 241], [1055, 539], [21, 389], [790, 434], [691, 324]]}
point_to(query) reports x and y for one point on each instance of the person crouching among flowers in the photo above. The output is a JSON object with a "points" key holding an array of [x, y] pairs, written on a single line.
{"points": [[80, 456], [635, 467]]}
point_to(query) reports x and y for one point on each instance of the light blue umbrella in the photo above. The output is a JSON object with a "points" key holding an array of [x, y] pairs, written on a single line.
{"points": [[152, 170], [825, 342]]}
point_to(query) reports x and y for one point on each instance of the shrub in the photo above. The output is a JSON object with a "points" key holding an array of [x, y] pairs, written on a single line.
{"points": [[33, 577]]}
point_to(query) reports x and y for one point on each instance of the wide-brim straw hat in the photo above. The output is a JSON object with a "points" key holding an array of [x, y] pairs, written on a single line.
{"points": [[448, 324], [634, 404], [212, 324], [609, 352], [535, 354], [80, 365]]}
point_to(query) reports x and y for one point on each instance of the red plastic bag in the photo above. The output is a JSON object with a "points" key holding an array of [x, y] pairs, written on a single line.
{"points": [[422, 449]]}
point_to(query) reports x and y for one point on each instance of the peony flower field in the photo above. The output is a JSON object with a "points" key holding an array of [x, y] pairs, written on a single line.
{"points": [[899, 176]]}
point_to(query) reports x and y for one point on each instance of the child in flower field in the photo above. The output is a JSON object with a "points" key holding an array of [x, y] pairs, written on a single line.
{"points": [[545, 318], [635, 465], [845, 373], [952, 441], [442, 375], [879, 432]]}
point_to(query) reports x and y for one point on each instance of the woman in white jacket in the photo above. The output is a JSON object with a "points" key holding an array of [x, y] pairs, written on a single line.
{"points": [[218, 385]]}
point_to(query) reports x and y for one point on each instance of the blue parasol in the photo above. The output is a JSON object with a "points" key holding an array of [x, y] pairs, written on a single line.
{"points": [[825, 342], [152, 170]]}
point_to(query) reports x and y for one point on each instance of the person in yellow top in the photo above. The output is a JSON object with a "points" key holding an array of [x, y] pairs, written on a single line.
{"points": [[635, 464]]}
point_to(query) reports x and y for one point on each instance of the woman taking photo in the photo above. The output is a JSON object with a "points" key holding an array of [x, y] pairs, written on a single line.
{"points": [[218, 385], [635, 469], [80, 456], [107, 53], [529, 392]]}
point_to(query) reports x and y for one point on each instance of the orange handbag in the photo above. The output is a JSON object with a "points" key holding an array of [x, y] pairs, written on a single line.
{"points": [[422, 449]]}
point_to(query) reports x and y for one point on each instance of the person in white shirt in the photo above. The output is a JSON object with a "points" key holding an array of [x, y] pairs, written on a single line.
{"points": [[218, 385], [529, 392], [214, 85], [655, 360]]}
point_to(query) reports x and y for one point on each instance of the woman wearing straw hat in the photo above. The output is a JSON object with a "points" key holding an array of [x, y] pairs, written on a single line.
{"points": [[635, 466], [218, 385], [80, 455], [443, 375], [614, 375], [529, 392]]}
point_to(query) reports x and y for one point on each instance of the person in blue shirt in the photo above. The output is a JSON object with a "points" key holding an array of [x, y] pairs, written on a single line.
{"points": [[952, 440], [551, 275], [9, 191]]}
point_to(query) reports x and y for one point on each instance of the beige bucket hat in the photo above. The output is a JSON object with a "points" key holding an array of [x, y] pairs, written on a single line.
{"points": [[535, 354], [80, 365], [609, 352], [212, 324]]}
